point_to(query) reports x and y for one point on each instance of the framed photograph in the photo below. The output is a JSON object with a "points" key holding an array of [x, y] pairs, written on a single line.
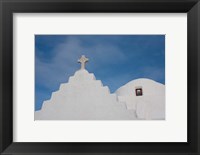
{"points": [[99, 77]]}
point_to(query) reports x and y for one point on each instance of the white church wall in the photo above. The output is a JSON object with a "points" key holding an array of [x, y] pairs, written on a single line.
{"points": [[151, 105], [83, 98]]}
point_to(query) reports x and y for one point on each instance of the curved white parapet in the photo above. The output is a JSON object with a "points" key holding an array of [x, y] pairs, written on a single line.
{"points": [[150, 105], [150, 87]]}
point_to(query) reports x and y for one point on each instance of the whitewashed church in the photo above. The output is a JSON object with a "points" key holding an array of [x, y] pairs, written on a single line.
{"points": [[85, 98]]}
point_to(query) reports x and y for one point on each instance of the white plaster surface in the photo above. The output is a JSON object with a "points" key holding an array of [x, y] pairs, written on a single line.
{"points": [[83, 98], [151, 105]]}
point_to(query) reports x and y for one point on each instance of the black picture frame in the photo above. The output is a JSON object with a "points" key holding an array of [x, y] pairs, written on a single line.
{"points": [[8, 7]]}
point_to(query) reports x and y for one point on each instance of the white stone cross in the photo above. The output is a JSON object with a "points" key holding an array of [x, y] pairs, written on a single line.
{"points": [[83, 61]]}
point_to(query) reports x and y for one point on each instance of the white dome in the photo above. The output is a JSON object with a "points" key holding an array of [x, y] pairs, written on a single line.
{"points": [[149, 86], [150, 105]]}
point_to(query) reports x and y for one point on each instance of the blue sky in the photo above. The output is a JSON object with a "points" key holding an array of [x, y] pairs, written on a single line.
{"points": [[114, 59]]}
